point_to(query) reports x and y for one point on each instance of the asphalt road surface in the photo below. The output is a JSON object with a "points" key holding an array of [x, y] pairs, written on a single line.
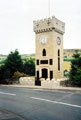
{"points": [[29, 104]]}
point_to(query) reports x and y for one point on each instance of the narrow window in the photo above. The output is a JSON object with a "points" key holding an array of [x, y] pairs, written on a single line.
{"points": [[37, 62], [58, 60], [58, 52], [51, 62], [51, 75], [37, 75], [59, 63], [44, 52]]}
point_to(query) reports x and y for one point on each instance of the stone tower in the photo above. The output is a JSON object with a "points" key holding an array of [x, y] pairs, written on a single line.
{"points": [[49, 48]]}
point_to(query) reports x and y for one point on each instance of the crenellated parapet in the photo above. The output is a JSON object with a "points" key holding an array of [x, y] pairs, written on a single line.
{"points": [[49, 24]]}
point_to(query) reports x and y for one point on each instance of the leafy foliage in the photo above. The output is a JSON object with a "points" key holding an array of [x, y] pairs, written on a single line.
{"points": [[29, 66], [68, 59], [14, 67], [66, 73], [75, 73], [14, 62], [2, 62], [18, 75], [4, 72]]}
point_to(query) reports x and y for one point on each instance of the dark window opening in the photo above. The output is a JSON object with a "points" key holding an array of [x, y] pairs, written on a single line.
{"points": [[45, 73], [51, 62], [44, 62], [51, 75], [58, 52], [44, 52], [37, 62], [58, 63], [37, 75]]}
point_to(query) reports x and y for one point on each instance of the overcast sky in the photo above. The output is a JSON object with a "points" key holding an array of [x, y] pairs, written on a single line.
{"points": [[16, 23]]}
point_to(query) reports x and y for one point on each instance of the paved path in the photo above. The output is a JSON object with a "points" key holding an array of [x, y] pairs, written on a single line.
{"points": [[39, 104], [6, 115], [45, 88]]}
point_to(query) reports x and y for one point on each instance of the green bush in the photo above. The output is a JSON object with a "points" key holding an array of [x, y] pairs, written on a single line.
{"points": [[4, 74], [14, 62], [68, 59], [29, 67], [2, 62], [66, 73], [75, 73], [18, 75]]}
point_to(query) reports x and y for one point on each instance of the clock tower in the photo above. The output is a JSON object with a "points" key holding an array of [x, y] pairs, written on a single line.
{"points": [[49, 48]]}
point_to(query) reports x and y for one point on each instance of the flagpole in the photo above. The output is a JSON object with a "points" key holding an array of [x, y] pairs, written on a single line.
{"points": [[48, 8]]}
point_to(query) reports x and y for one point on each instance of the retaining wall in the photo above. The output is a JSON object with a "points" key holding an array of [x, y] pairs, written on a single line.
{"points": [[27, 81]]}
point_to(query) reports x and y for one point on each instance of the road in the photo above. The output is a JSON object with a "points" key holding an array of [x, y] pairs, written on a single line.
{"points": [[29, 104]]}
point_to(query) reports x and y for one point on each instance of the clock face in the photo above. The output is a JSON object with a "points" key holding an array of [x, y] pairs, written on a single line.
{"points": [[43, 40], [58, 41]]}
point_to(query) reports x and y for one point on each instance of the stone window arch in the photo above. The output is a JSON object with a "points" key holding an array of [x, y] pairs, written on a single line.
{"points": [[44, 52]]}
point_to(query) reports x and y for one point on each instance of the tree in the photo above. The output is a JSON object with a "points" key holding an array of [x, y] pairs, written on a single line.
{"points": [[14, 62], [4, 74], [29, 67], [14, 66], [75, 73]]}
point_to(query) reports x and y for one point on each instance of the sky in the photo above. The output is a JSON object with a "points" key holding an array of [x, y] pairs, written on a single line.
{"points": [[16, 23]]}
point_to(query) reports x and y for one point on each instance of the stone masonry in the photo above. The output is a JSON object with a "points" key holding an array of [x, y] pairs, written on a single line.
{"points": [[49, 38]]}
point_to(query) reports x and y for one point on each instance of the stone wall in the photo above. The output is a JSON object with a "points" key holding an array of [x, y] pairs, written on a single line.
{"points": [[46, 25], [52, 83], [30, 81]]}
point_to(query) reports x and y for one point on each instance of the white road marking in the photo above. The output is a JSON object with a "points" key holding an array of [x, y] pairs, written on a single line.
{"points": [[66, 96], [55, 102], [3, 93]]}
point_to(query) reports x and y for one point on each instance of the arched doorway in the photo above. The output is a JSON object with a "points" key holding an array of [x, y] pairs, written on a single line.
{"points": [[45, 73]]}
